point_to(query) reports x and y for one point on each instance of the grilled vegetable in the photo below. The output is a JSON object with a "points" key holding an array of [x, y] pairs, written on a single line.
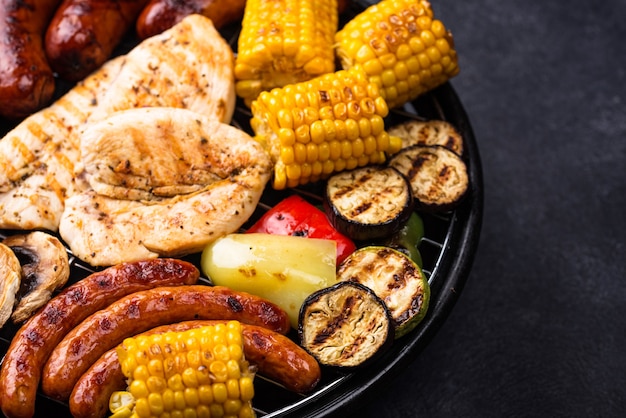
{"points": [[296, 216], [200, 372], [431, 132], [438, 176], [282, 269], [395, 278], [369, 202], [284, 42], [326, 125], [10, 279], [401, 46], [408, 238], [45, 269], [345, 325]]}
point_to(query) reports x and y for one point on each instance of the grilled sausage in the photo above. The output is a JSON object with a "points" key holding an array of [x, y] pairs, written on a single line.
{"points": [[144, 310], [83, 34], [275, 355], [36, 339], [26, 80], [160, 15]]}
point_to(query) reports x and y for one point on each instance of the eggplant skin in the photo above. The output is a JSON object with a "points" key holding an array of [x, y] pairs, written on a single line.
{"points": [[345, 325], [368, 203]]}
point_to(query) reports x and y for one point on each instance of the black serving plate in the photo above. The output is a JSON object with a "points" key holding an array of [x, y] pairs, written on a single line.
{"points": [[447, 249]]}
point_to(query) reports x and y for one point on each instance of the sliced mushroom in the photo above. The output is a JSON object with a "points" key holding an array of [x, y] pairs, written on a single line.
{"points": [[10, 275], [45, 268]]}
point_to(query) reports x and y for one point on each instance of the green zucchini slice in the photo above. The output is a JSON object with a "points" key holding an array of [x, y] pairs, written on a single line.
{"points": [[395, 278], [368, 203], [345, 325]]}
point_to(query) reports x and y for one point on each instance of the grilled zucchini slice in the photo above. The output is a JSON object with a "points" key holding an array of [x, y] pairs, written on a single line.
{"points": [[368, 203], [438, 176], [345, 325], [395, 278]]}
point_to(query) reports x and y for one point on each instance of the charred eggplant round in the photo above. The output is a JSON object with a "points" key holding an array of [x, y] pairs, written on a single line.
{"points": [[345, 325], [438, 176], [428, 132], [368, 203], [395, 278]]}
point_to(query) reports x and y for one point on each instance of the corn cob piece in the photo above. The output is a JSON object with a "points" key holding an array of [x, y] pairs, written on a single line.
{"points": [[201, 372], [402, 48], [318, 127], [284, 42]]}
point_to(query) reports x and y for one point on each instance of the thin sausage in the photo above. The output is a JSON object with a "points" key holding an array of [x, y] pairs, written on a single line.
{"points": [[26, 80], [144, 310], [275, 355], [160, 15], [83, 34], [36, 339]]}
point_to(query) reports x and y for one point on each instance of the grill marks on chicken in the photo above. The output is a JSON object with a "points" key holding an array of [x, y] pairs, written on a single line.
{"points": [[188, 66], [39, 157], [177, 181]]}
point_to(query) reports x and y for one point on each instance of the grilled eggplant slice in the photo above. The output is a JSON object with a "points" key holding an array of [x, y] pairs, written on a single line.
{"points": [[431, 132], [368, 203], [395, 278], [345, 325], [438, 176]]}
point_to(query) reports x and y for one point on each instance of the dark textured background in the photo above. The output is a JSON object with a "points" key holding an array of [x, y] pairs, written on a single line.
{"points": [[540, 328]]}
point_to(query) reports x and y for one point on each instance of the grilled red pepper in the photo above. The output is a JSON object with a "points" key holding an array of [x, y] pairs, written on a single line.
{"points": [[296, 216]]}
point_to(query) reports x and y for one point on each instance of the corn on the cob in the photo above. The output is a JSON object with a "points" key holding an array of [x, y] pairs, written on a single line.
{"points": [[331, 123], [284, 42], [401, 46], [196, 373]]}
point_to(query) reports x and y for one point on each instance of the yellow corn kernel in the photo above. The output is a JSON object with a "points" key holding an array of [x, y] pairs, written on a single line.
{"points": [[196, 373], [348, 110], [399, 31], [155, 403], [284, 42]]}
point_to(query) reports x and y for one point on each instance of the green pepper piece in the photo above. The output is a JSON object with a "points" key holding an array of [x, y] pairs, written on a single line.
{"points": [[408, 238]]}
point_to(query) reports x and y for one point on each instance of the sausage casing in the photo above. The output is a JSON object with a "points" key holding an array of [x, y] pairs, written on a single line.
{"points": [[160, 15], [276, 357], [83, 34], [36, 339], [26, 79], [141, 311]]}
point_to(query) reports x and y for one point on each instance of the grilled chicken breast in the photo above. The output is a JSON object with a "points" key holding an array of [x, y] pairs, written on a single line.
{"points": [[188, 66], [39, 157], [165, 182]]}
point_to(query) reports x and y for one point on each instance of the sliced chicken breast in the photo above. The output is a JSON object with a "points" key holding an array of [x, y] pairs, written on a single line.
{"points": [[165, 182]]}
